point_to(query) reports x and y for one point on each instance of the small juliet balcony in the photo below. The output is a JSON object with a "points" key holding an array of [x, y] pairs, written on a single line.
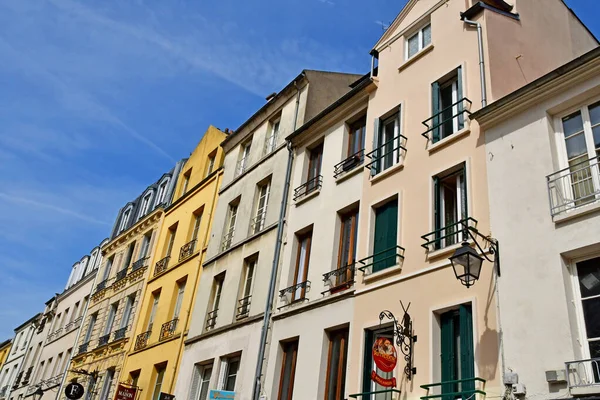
{"points": [[241, 166], [270, 144], [387, 155], [449, 235], [103, 340], [448, 121], [161, 265], [211, 319], [244, 307], [122, 274], [101, 286], [583, 377], [83, 348], [258, 223], [167, 329], [119, 334], [227, 240], [354, 161], [142, 262], [339, 279], [187, 250], [381, 260], [464, 389], [574, 187], [311, 186], [295, 293], [141, 341]]}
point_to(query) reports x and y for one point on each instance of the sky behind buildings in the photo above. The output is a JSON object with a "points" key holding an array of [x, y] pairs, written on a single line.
{"points": [[99, 98]]}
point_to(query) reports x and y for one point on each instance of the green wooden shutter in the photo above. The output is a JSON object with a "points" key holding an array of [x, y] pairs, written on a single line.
{"points": [[435, 108], [380, 239], [459, 95], [367, 361], [447, 353], [392, 236], [375, 155], [437, 212], [463, 201], [467, 362]]}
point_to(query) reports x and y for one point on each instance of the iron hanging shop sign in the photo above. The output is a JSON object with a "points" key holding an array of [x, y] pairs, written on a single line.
{"points": [[385, 357]]}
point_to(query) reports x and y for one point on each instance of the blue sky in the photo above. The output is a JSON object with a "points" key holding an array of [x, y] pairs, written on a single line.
{"points": [[99, 98]]}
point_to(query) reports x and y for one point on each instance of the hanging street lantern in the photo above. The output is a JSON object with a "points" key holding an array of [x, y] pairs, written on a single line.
{"points": [[37, 395]]}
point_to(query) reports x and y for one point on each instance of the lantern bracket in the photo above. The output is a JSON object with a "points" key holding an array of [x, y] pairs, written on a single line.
{"points": [[491, 243], [404, 337]]}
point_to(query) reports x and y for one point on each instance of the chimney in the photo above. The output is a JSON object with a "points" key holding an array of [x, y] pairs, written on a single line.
{"points": [[271, 97]]}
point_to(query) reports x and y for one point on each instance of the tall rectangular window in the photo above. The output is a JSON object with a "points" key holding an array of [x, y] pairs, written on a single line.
{"points": [[186, 181], [230, 225], [347, 246], [145, 205], [217, 289], [387, 142], [107, 383], [197, 216], [272, 135], [127, 311], [385, 238], [179, 300], [210, 164], [205, 382], [457, 360], [356, 136], [128, 256], [447, 105], [450, 206], [418, 41], [170, 240], [288, 369], [244, 301], [315, 161], [110, 318], [160, 375], [242, 163], [588, 288], [134, 377], [155, 300], [90, 327], [162, 191], [124, 220], [145, 248], [258, 223], [229, 367], [302, 262], [371, 337], [201, 381], [337, 357], [108, 267]]}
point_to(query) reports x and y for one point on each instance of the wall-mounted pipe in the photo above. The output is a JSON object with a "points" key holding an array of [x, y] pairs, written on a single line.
{"points": [[481, 60]]}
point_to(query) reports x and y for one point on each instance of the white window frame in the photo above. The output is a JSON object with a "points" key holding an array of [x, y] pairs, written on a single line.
{"points": [[419, 33], [274, 129], [106, 384], [124, 219], [127, 311], [110, 318], [264, 191], [162, 190], [231, 221], [179, 300], [583, 339], [244, 156], [146, 200], [211, 163], [396, 154], [155, 301]]}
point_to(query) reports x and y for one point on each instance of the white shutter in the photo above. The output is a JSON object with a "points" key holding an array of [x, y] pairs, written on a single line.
{"points": [[223, 373], [196, 378]]}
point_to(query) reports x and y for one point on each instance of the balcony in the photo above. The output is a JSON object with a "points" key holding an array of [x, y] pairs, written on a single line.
{"points": [[583, 377], [381, 260], [574, 187], [142, 262], [464, 389], [227, 240], [119, 334], [101, 286], [258, 223], [349, 164], [339, 279], [103, 340], [18, 380], [83, 348], [295, 293], [388, 394], [211, 319], [187, 250], [168, 329], [311, 186], [244, 307], [27, 375], [387, 155], [121, 274], [447, 236], [435, 123], [142, 340], [240, 167], [161, 265]]}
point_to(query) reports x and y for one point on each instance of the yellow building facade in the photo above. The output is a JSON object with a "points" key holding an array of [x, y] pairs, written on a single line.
{"points": [[4, 350], [161, 328]]}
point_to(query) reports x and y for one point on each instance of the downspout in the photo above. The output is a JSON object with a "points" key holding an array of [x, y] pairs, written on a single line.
{"points": [[256, 387], [481, 61]]}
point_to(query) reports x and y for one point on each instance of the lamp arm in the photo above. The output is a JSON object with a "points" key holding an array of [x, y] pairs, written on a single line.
{"points": [[493, 244]]}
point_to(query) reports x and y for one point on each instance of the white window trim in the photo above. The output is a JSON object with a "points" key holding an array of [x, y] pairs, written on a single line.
{"points": [[422, 46], [125, 215], [582, 338]]}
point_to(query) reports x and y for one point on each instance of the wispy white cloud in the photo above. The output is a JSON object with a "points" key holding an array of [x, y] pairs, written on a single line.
{"points": [[331, 3]]}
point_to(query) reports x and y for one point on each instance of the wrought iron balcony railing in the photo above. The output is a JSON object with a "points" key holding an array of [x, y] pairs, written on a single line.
{"points": [[121, 274], [142, 340], [387, 154], [349, 164], [583, 376], [83, 348], [258, 223], [101, 286], [211, 319], [18, 380], [296, 292], [464, 389], [448, 235], [367, 395], [103, 340], [241, 165], [308, 187], [139, 263], [227, 240], [340, 278], [438, 121], [27, 375], [119, 334], [382, 260], [244, 307], [161, 265], [187, 249], [168, 329], [575, 186], [270, 144]]}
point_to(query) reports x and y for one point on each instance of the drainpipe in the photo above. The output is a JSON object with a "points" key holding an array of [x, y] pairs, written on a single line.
{"points": [[256, 387], [481, 61]]}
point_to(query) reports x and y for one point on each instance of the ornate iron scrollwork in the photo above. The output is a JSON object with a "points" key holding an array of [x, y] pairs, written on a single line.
{"points": [[404, 337]]}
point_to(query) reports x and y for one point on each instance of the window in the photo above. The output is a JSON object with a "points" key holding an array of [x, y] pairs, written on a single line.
{"points": [[356, 136], [205, 382], [197, 220], [108, 267], [186, 181], [336, 365], [145, 204], [244, 156], [447, 105], [179, 300], [110, 318], [588, 288], [162, 191], [418, 41], [211, 319], [134, 377], [258, 223], [272, 136], [127, 311], [387, 142], [145, 246], [230, 225], [107, 383], [230, 367], [450, 206], [90, 327], [288, 369], [369, 365], [66, 317], [457, 361], [347, 246], [581, 149], [315, 159], [171, 240], [66, 361], [57, 365], [74, 313], [160, 374], [244, 302], [124, 220], [385, 238], [302, 260], [129, 256], [210, 165], [155, 299]]}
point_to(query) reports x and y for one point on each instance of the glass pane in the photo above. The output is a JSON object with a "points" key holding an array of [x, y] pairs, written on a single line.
{"points": [[596, 134], [572, 124], [595, 349], [413, 45], [576, 145], [446, 120], [591, 314], [332, 376], [588, 273], [595, 113], [426, 35], [388, 142]]}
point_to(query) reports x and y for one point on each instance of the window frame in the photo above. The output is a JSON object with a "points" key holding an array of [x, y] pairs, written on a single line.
{"points": [[353, 215], [578, 300], [160, 370], [171, 240], [422, 45], [210, 165], [294, 344], [272, 135], [153, 308], [260, 213], [300, 238], [181, 286], [186, 181], [342, 363], [360, 124], [438, 202]]}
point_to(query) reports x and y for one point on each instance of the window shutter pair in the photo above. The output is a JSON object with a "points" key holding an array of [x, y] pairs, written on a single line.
{"points": [[436, 109], [379, 153], [449, 351]]}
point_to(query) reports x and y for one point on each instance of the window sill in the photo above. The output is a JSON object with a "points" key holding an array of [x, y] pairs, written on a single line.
{"points": [[450, 139], [416, 57], [382, 274], [387, 172], [349, 174], [309, 196], [576, 213]]}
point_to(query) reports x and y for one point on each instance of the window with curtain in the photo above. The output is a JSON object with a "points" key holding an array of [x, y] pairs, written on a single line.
{"points": [[418, 41], [288, 369], [302, 261], [450, 206]]}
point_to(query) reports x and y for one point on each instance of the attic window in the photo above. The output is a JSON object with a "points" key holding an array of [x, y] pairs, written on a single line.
{"points": [[418, 41]]}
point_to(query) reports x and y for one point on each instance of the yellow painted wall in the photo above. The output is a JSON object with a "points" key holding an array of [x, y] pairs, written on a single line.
{"points": [[4, 350], [201, 194]]}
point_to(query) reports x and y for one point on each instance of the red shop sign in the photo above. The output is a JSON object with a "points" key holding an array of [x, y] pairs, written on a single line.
{"points": [[385, 358], [125, 393]]}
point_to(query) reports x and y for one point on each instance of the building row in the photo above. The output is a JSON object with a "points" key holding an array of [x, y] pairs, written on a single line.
{"points": [[428, 230]]}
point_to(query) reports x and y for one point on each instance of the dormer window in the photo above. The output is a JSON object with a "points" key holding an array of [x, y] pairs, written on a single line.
{"points": [[124, 219], [145, 204], [162, 191], [418, 41]]}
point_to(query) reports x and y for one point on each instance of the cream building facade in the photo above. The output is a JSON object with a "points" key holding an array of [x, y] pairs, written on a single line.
{"points": [[543, 144]]}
